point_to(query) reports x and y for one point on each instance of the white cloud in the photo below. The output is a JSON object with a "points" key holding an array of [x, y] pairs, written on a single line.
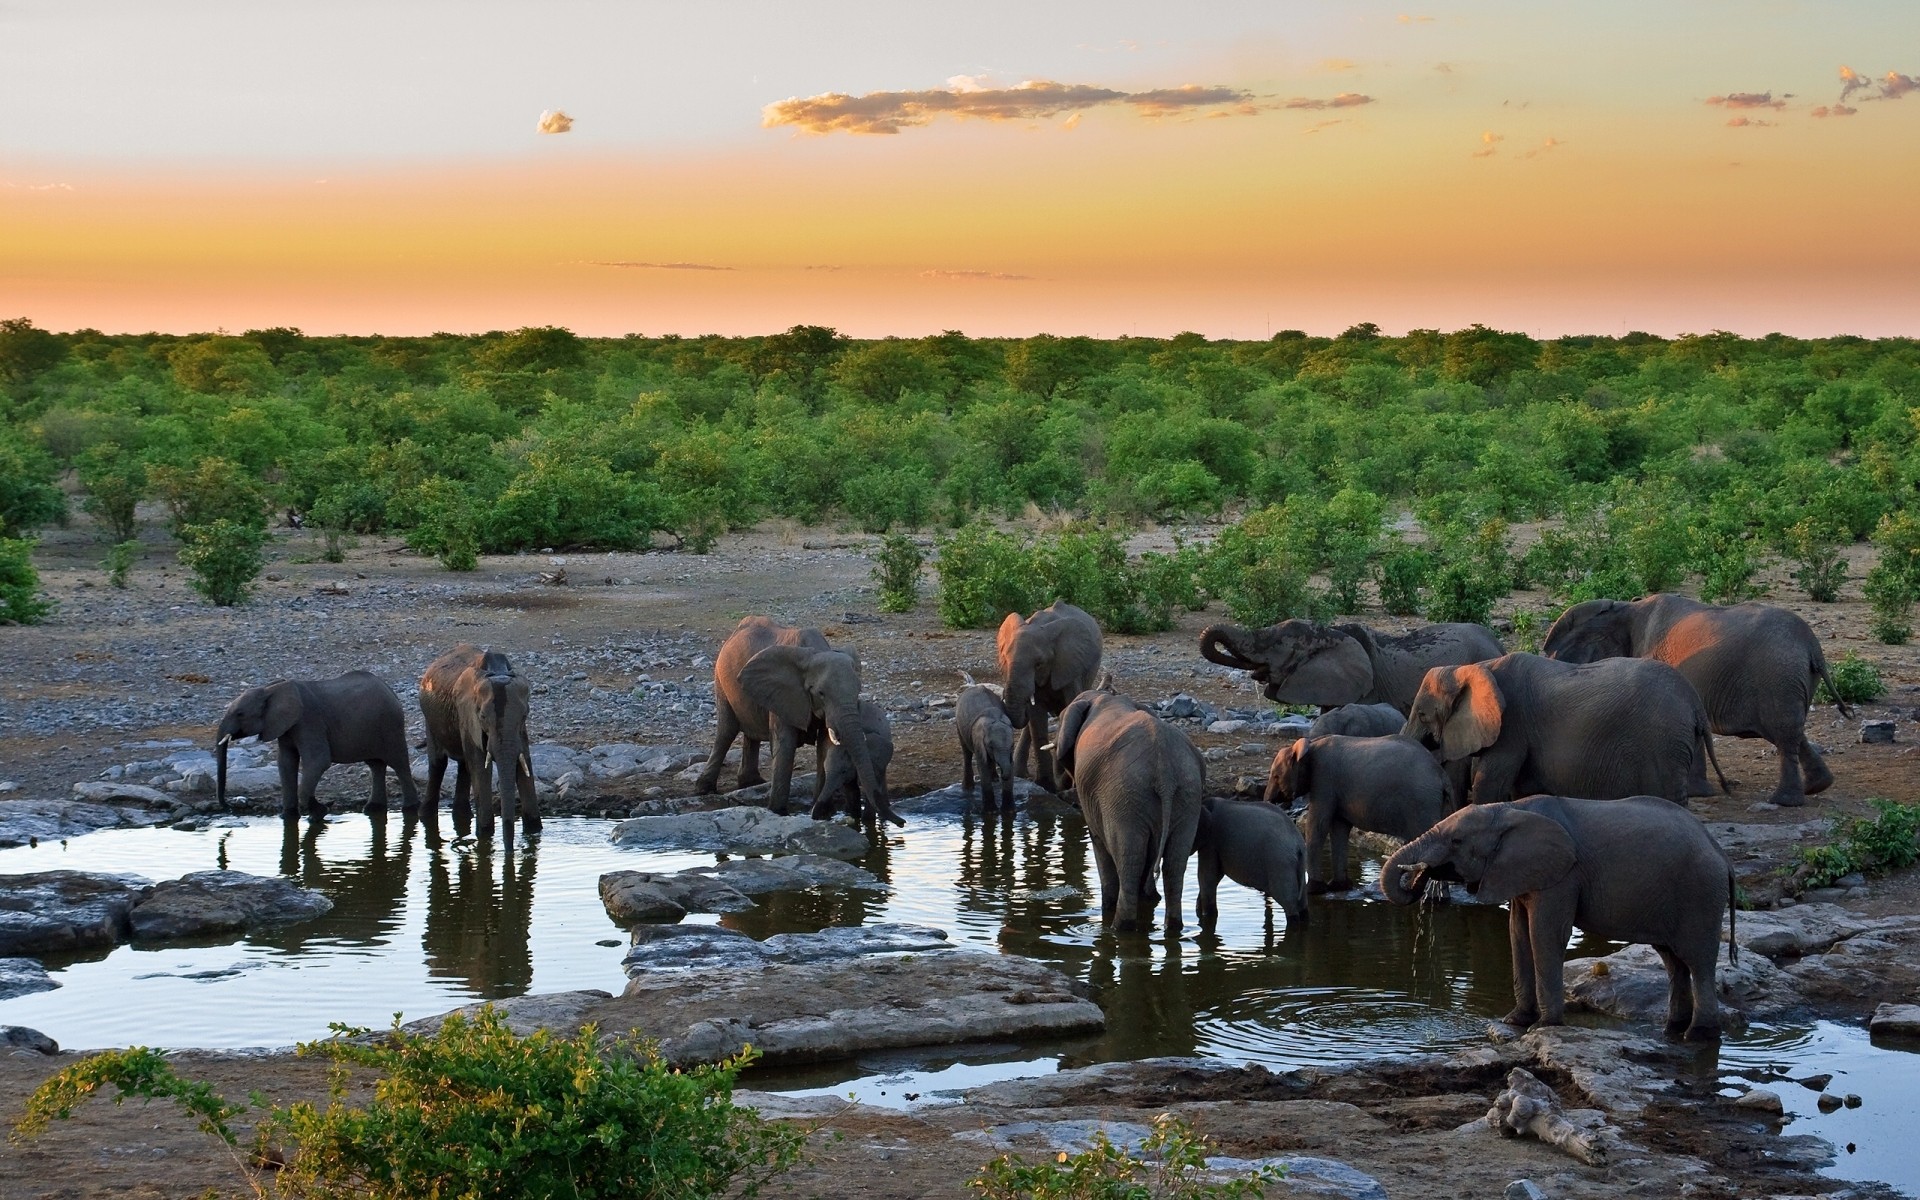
{"points": [[555, 121]]}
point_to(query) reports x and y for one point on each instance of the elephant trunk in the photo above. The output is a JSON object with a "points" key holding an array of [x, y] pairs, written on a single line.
{"points": [[220, 768], [1403, 877], [1218, 643], [853, 743]]}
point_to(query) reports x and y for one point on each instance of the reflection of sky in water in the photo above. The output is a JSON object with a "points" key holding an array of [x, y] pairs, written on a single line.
{"points": [[419, 931]]}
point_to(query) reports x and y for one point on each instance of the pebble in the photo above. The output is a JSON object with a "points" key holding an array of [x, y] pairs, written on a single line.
{"points": [[1828, 1103], [1876, 732], [1816, 1083], [1761, 1100], [1524, 1189]]}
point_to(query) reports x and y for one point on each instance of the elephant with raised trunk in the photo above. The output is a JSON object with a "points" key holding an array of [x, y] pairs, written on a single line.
{"points": [[1302, 662], [1046, 660], [774, 683], [1141, 784], [350, 718], [476, 707], [1620, 727], [1632, 870], [1258, 847], [1387, 785], [1754, 665]]}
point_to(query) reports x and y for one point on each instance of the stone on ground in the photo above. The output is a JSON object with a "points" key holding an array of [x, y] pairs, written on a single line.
{"points": [[20, 1039], [23, 977], [212, 903], [1895, 1020], [952, 801], [60, 911], [26, 821], [743, 830], [644, 896]]}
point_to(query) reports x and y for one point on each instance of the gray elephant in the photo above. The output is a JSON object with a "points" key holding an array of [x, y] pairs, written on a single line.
{"points": [[1387, 785], [986, 743], [1754, 665], [1632, 870], [1046, 660], [1358, 720], [839, 781], [351, 718], [1140, 783], [476, 709], [1301, 662], [1619, 727], [1258, 847], [774, 683]]}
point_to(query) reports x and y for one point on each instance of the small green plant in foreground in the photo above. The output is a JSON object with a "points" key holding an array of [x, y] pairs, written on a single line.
{"points": [[1171, 1165], [225, 558], [119, 561], [474, 1112], [896, 568], [1855, 679], [20, 600], [1864, 846]]}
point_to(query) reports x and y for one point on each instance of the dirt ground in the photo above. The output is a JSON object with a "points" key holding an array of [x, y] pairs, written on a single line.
{"points": [[111, 669]]}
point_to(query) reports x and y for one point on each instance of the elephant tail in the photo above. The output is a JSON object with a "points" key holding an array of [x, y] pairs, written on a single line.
{"points": [[1733, 922], [1820, 668], [1704, 732]]}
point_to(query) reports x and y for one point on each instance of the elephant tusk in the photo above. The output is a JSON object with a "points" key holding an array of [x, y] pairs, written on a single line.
{"points": [[832, 736], [223, 741], [1049, 747]]}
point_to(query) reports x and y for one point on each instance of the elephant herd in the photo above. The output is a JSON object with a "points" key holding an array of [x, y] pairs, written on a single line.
{"points": [[1555, 783]]}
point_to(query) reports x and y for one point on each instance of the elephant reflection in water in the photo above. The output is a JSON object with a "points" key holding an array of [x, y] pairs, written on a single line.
{"points": [[480, 917], [369, 894], [1451, 956], [1156, 1001]]}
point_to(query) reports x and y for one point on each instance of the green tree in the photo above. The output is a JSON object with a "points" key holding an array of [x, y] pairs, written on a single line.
{"points": [[116, 482], [213, 489], [21, 602], [28, 497], [225, 557], [26, 351]]}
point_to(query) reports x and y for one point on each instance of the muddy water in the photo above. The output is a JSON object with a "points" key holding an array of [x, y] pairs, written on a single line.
{"points": [[418, 930]]}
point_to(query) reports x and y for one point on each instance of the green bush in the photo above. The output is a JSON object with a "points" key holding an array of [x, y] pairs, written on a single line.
{"points": [[1813, 547], [20, 600], [116, 482], [1473, 569], [214, 489], [119, 562], [1890, 597], [1400, 574], [885, 497], [1856, 681], [473, 1112], [984, 575], [1272, 589], [341, 510], [28, 497], [574, 503], [445, 526], [225, 558], [1888, 841], [1171, 1164], [896, 569]]}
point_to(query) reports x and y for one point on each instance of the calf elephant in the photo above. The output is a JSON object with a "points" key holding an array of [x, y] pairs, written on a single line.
{"points": [[1258, 847], [986, 743], [1141, 783], [1387, 785], [351, 718], [839, 783], [1358, 720], [1301, 662], [476, 707], [1631, 870], [1620, 727], [1755, 667], [788, 686], [1046, 660]]}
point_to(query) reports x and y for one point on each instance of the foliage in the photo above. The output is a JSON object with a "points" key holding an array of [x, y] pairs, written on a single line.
{"points": [[116, 482], [446, 527], [1171, 1164], [1813, 546], [1473, 567], [213, 489], [1888, 841], [20, 600], [225, 557], [1529, 631], [28, 497], [896, 569], [1890, 596], [474, 1112], [119, 562], [985, 574], [1400, 573]]}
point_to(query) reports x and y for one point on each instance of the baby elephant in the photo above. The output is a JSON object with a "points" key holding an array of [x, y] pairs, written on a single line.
{"points": [[986, 743], [1358, 720], [1256, 846], [318, 722], [840, 781], [1633, 870], [1387, 785]]}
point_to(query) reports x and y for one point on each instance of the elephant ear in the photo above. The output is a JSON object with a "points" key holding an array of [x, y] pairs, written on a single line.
{"points": [[1004, 640], [1299, 771], [1473, 724], [282, 711], [1072, 719], [1532, 853], [776, 678], [1335, 670]]}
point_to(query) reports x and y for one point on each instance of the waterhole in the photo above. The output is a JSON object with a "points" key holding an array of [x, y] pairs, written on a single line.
{"points": [[418, 930]]}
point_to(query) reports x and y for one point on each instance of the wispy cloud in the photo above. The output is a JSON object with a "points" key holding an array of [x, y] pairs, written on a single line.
{"points": [[1894, 85], [976, 276], [1747, 100], [41, 187], [663, 266], [1405, 19], [1343, 100], [1749, 123], [1891, 86], [965, 98], [1546, 147], [554, 121], [1489, 144], [1329, 123], [1851, 81], [1338, 64], [1834, 110]]}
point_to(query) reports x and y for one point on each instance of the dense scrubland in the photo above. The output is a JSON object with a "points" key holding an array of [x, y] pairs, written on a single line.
{"points": [[1345, 471]]}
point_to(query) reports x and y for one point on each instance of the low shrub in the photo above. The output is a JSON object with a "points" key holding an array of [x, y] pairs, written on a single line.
{"points": [[1400, 573], [1888, 841], [1813, 548], [21, 602], [1890, 597], [896, 569], [225, 558], [1473, 568], [214, 489], [1171, 1164], [984, 575], [119, 562], [1855, 680], [116, 482], [885, 497], [445, 526]]}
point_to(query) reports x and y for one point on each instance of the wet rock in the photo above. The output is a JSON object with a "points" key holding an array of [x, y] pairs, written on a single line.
{"points": [[23, 977], [952, 801], [1529, 1108], [1853, 1101], [789, 873], [214, 903], [1135, 1083], [1895, 1021], [1815, 1083], [244, 781], [57, 911], [1309, 1176], [551, 760], [1876, 732], [1066, 1137], [742, 830], [1524, 1189], [1632, 984], [19, 1038], [113, 792], [640, 896], [655, 951], [25, 821], [693, 947], [1761, 1100], [1828, 1103]]}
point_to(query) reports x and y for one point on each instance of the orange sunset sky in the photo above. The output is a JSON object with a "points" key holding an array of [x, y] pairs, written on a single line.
{"points": [[1002, 169]]}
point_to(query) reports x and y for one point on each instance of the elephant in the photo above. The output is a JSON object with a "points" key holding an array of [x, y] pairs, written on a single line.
{"points": [[1046, 660], [1358, 720], [1387, 785], [986, 743], [1618, 727], [1140, 783], [775, 683], [839, 782], [1301, 662], [1257, 846], [476, 706], [1636, 869], [1754, 665], [354, 717]]}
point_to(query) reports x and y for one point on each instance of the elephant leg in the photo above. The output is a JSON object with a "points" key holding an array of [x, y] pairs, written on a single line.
{"points": [[1789, 793], [311, 767], [1697, 784], [1526, 1001], [1700, 961], [785, 745], [728, 728], [1679, 992], [1173, 878], [403, 775], [1109, 882], [1022, 744], [1316, 831], [462, 799], [529, 800], [1342, 881], [749, 774], [966, 770], [377, 787], [436, 774], [1549, 930], [1812, 767], [289, 783], [1043, 766], [1206, 905]]}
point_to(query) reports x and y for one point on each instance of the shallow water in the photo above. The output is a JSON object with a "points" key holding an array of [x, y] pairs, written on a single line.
{"points": [[418, 931]]}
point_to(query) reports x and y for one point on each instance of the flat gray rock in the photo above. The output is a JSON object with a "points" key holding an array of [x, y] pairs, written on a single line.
{"points": [[647, 896], [710, 946], [743, 830], [62, 911], [1632, 984], [23, 977], [19, 1038], [1308, 1176], [26, 821], [215, 903], [1895, 1020], [953, 801], [115, 792]]}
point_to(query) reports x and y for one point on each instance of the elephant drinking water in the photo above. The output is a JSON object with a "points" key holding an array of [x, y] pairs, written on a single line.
{"points": [[318, 722], [475, 707]]}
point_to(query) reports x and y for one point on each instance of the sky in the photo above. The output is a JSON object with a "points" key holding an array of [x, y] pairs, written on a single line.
{"points": [[999, 168]]}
